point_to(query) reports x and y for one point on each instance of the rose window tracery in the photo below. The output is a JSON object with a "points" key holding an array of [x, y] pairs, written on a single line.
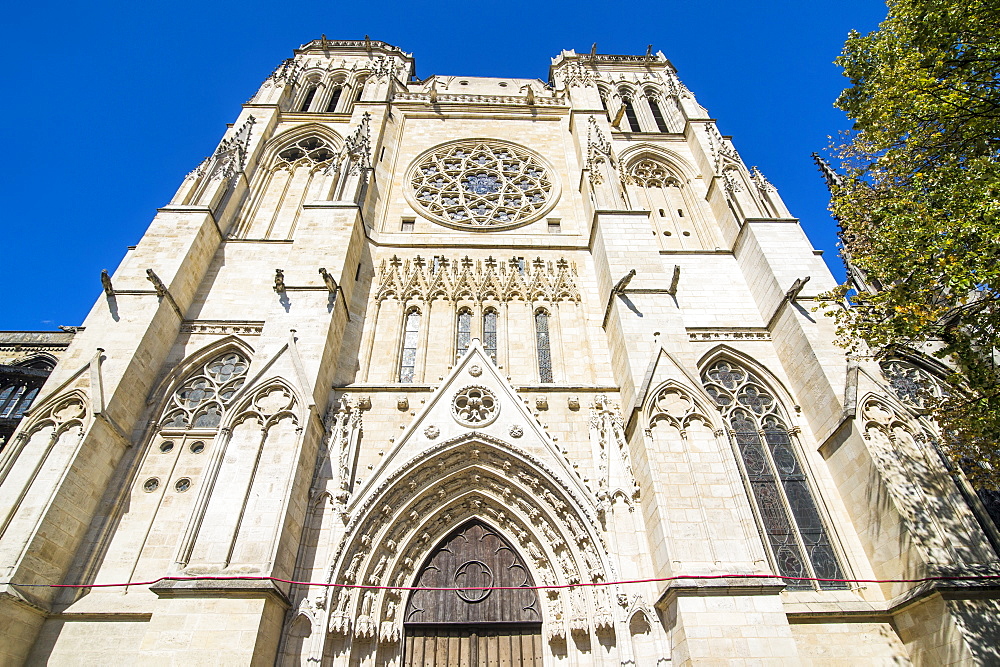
{"points": [[480, 184], [475, 406]]}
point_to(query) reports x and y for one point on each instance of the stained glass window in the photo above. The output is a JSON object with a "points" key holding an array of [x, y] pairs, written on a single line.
{"points": [[408, 356], [542, 343], [490, 333], [789, 516], [463, 333]]}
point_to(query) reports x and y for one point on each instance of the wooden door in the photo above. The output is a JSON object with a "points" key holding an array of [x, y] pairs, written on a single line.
{"points": [[473, 646], [469, 627]]}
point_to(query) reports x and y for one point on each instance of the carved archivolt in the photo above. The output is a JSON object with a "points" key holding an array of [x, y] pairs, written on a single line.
{"points": [[477, 280], [469, 477]]}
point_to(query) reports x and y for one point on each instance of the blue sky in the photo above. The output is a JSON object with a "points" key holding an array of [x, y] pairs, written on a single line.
{"points": [[109, 105]]}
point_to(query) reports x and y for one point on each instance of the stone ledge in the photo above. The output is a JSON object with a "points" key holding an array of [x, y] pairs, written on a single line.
{"points": [[243, 588], [884, 610], [730, 586]]}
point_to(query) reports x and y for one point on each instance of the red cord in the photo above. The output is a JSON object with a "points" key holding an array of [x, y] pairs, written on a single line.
{"points": [[979, 577]]}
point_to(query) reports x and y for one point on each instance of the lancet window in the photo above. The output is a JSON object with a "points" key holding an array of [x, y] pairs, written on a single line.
{"points": [[542, 346], [654, 108], [786, 510], [408, 353], [307, 100], [463, 332], [331, 107], [200, 402], [490, 333], [630, 115]]}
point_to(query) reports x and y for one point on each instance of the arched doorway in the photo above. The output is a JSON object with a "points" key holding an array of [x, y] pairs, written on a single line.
{"points": [[469, 627]]}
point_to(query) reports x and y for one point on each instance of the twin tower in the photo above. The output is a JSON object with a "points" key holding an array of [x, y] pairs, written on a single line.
{"points": [[464, 371]]}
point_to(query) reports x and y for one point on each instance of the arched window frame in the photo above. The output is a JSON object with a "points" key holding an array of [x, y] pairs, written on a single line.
{"points": [[336, 94], [630, 112], [275, 159], [653, 101], [463, 331], [18, 389], [913, 382], [307, 98], [773, 440], [491, 324], [604, 95], [409, 345], [543, 345], [212, 384]]}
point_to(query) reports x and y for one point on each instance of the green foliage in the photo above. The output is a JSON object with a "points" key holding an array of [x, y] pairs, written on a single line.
{"points": [[920, 207]]}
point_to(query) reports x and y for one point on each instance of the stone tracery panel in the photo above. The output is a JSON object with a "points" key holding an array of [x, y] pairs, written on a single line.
{"points": [[200, 402], [516, 279]]}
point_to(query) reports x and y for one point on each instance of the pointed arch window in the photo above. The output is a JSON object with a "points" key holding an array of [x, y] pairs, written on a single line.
{"points": [[916, 388], [780, 491], [633, 119], [490, 333], [408, 353], [654, 108], [331, 107], [307, 100], [542, 346], [463, 332]]}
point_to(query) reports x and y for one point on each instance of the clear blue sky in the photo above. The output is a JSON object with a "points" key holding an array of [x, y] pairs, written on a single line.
{"points": [[108, 105]]}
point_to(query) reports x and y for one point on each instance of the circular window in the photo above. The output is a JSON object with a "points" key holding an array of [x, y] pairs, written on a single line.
{"points": [[198, 447], [482, 185], [166, 447], [152, 484], [475, 406], [182, 485]]}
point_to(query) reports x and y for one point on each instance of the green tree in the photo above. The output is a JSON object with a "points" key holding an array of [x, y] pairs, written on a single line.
{"points": [[919, 207]]}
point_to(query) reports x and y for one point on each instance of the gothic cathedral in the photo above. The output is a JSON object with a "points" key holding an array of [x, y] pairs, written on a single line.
{"points": [[482, 371]]}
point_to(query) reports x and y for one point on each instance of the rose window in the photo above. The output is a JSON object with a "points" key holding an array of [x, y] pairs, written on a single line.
{"points": [[489, 184], [475, 406]]}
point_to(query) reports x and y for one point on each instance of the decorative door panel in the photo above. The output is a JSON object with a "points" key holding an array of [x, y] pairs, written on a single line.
{"points": [[474, 556]]}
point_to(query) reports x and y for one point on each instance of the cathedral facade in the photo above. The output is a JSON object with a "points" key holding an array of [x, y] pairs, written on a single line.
{"points": [[463, 371]]}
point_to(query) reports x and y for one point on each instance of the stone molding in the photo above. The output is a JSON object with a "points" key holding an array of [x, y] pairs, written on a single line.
{"points": [[223, 327], [712, 334]]}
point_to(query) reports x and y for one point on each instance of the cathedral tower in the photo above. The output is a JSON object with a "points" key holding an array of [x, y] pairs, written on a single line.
{"points": [[411, 372]]}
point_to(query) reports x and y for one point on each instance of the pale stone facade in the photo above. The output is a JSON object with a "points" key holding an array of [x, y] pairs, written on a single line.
{"points": [[386, 307]]}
